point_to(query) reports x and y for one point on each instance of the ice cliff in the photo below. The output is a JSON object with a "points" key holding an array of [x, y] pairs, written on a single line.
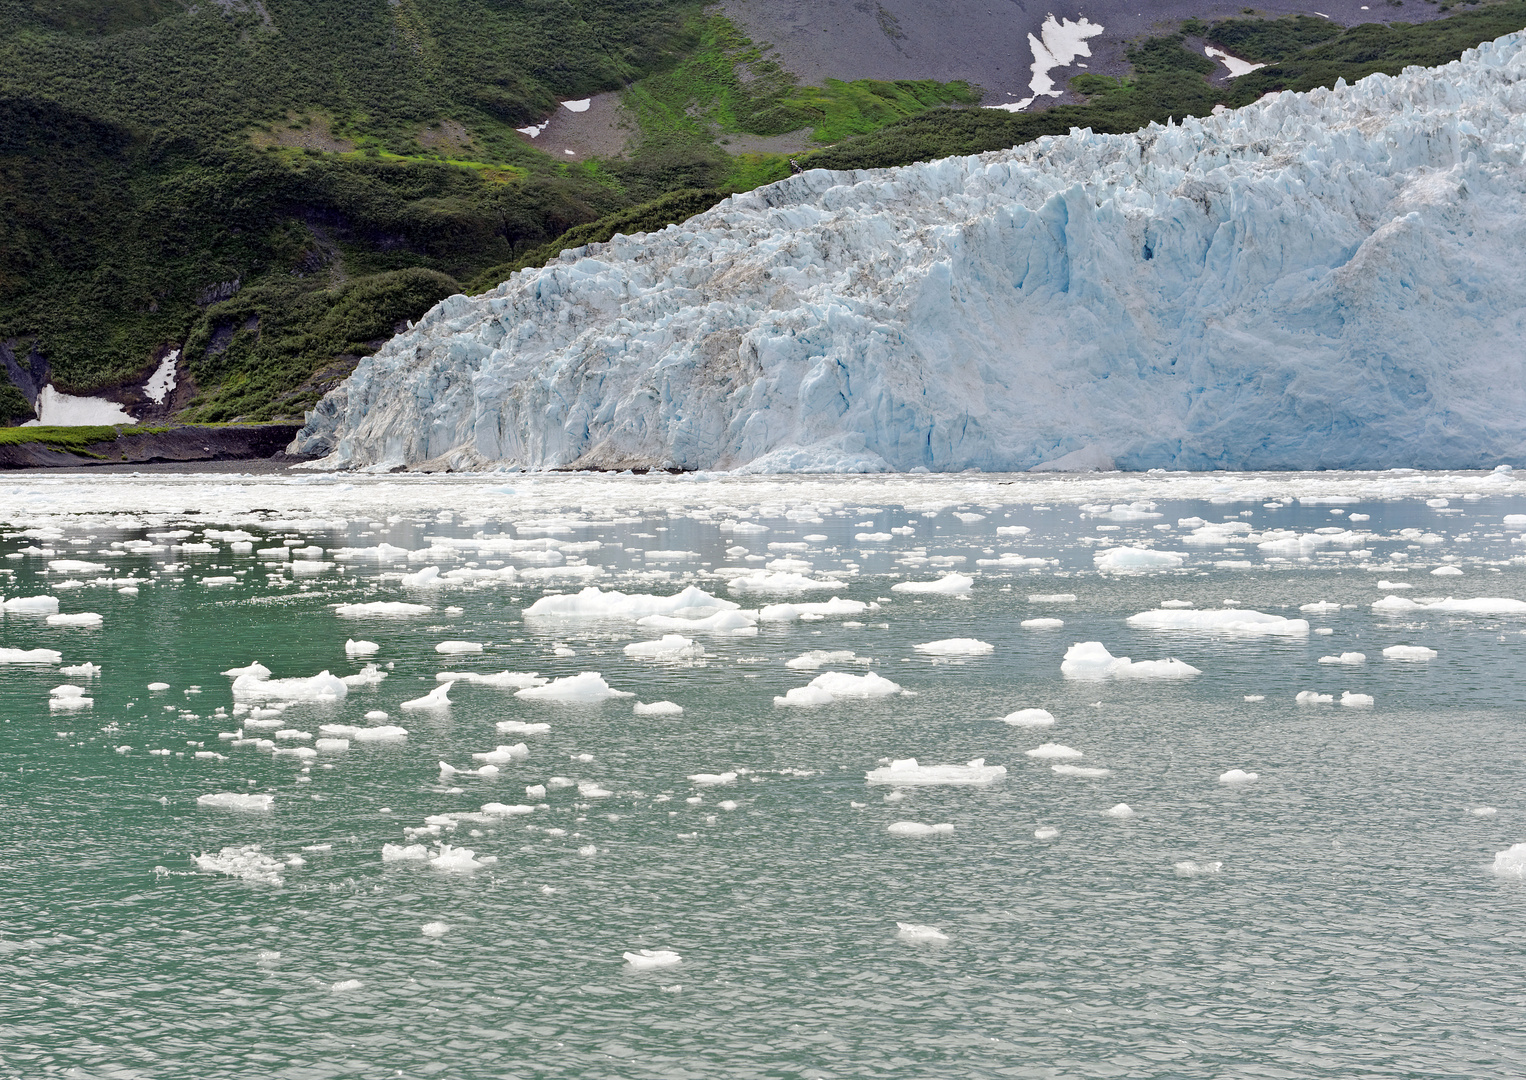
{"points": [[1332, 279]]}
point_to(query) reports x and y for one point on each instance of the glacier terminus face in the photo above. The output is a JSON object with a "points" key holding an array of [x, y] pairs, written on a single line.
{"points": [[1331, 279]]}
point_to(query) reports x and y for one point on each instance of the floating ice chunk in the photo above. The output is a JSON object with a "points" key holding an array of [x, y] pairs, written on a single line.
{"points": [[82, 619], [331, 746], [1347, 658], [435, 929], [1045, 832], [585, 687], [344, 986], [458, 860], [320, 687], [246, 862], [647, 959], [713, 779], [1132, 560], [1174, 605], [872, 537], [158, 686], [1081, 771], [536, 792], [293, 734], [916, 828], [503, 755], [234, 800], [668, 647], [451, 648], [833, 686], [428, 577], [370, 675], [1394, 585], [905, 772], [376, 714], [516, 679], [917, 932], [1052, 598], [68, 697], [819, 658], [1355, 701], [1120, 811], [588, 850], [947, 585], [1030, 718], [589, 789], [300, 752], [31, 605], [1223, 621], [1012, 530], [209, 755], [404, 853], [738, 623], [498, 809], [385, 733], [31, 656], [1320, 607], [1255, 697], [1409, 652], [657, 708], [955, 647], [519, 727], [1238, 776], [1313, 697], [1447, 571], [1188, 868], [1091, 660], [1483, 811], [256, 669], [1042, 624], [361, 648], [822, 609], [1054, 750], [777, 581], [594, 603], [75, 566], [86, 670], [438, 698], [1511, 862], [386, 608], [1483, 605]]}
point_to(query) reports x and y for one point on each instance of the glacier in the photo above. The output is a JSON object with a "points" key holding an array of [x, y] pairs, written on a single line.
{"points": [[1319, 280]]}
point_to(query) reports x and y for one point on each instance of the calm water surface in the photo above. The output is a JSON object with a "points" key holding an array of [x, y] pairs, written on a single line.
{"points": [[1354, 927]]}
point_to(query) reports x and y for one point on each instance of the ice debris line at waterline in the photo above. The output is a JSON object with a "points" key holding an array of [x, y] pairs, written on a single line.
{"points": [[1327, 279]]}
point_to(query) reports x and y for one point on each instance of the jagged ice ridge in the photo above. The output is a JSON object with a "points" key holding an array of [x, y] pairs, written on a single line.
{"points": [[1327, 279]]}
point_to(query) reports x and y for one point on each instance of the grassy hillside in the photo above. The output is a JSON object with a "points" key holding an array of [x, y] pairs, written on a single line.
{"points": [[279, 185]]}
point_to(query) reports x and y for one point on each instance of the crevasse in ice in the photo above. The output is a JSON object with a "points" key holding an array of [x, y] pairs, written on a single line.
{"points": [[1320, 279]]}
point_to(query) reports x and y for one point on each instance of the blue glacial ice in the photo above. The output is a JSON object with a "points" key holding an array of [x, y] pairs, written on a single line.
{"points": [[1328, 279]]}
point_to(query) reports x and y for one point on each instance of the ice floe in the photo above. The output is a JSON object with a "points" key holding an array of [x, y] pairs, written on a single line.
{"points": [[1511, 862], [669, 647], [1091, 660], [955, 647], [246, 862], [1409, 652], [1054, 750], [438, 698], [1238, 776], [916, 828], [833, 686], [233, 800], [657, 708], [1029, 718], [1224, 620], [947, 585], [918, 932], [648, 959], [1133, 560], [585, 687], [905, 772]]}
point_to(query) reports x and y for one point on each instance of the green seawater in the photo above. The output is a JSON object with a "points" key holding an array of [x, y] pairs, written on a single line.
{"points": [[1338, 916]]}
